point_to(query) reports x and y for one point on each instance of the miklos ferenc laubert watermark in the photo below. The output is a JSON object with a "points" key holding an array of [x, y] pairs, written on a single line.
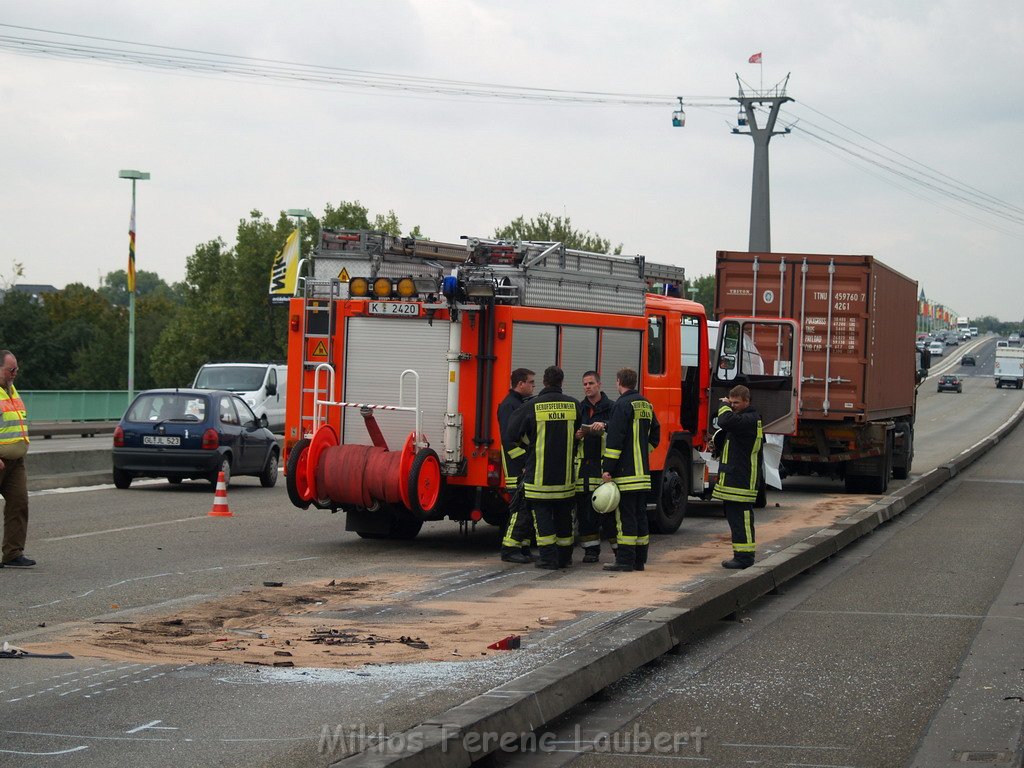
{"points": [[353, 738]]}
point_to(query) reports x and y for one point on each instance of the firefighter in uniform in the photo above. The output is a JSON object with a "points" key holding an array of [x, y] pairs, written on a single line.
{"points": [[547, 429], [595, 410], [739, 474], [515, 545], [633, 433]]}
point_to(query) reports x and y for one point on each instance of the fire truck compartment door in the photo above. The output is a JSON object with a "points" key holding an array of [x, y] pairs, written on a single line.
{"points": [[763, 355], [377, 350]]}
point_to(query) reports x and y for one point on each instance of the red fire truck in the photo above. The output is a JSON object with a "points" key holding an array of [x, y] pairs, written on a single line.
{"points": [[400, 350]]}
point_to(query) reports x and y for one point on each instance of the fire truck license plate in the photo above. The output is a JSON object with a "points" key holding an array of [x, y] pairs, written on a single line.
{"points": [[404, 308]]}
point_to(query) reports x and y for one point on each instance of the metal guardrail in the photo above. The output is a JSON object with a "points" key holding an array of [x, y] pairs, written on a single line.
{"points": [[58, 405]]}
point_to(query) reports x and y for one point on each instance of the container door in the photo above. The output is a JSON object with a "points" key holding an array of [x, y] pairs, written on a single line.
{"points": [[762, 355]]}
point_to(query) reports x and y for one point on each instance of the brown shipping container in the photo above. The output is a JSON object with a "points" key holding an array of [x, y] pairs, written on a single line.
{"points": [[863, 370]]}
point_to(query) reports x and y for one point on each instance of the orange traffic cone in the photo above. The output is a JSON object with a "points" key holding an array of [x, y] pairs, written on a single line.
{"points": [[220, 499]]}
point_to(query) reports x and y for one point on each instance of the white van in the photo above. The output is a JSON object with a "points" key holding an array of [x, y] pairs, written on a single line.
{"points": [[261, 385]]}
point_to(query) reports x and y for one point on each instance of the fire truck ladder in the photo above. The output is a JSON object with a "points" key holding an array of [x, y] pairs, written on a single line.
{"points": [[318, 302]]}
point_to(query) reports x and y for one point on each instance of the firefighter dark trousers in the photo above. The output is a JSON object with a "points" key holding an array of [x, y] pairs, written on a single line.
{"points": [[633, 529], [593, 526], [519, 530], [740, 515], [553, 521]]}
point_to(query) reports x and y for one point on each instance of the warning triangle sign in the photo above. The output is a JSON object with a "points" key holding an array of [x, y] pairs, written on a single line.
{"points": [[343, 275], [320, 350]]}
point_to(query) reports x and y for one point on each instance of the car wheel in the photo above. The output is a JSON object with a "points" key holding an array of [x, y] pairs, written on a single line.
{"points": [[122, 479], [268, 477], [225, 467]]}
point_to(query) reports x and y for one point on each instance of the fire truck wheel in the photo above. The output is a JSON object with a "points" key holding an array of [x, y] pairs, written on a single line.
{"points": [[673, 495], [292, 471], [424, 483]]}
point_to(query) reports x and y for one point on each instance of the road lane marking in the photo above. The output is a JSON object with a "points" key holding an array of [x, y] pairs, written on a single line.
{"points": [[124, 528], [174, 573], [983, 480], [43, 754], [154, 726]]}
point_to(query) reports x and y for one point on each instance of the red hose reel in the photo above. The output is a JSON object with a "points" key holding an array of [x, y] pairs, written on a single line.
{"points": [[365, 475]]}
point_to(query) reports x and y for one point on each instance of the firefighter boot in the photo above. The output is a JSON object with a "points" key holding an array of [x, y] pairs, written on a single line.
{"points": [[592, 553], [548, 558], [641, 557], [565, 556], [740, 560], [527, 553], [625, 558], [513, 555]]}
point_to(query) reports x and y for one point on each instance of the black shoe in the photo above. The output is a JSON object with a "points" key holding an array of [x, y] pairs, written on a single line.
{"points": [[618, 567], [638, 567], [737, 565], [591, 554], [546, 566], [20, 562], [515, 557], [527, 553]]}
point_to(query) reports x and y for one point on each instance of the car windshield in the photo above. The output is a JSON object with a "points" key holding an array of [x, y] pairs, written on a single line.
{"points": [[236, 378], [167, 406]]}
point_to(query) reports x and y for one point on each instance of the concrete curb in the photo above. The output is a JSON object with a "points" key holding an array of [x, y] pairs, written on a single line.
{"points": [[469, 732]]}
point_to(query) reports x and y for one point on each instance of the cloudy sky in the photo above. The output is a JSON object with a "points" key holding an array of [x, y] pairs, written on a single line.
{"points": [[940, 83]]}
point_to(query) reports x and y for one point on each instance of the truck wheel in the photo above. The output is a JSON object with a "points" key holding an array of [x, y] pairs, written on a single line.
{"points": [[402, 526], [292, 471], [673, 495], [122, 479], [901, 468]]}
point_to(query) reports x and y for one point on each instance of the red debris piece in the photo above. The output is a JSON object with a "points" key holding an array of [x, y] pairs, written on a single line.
{"points": [[510, 643]]}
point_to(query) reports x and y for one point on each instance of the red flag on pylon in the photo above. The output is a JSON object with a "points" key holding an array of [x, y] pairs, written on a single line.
{"points": [[755, 58]]}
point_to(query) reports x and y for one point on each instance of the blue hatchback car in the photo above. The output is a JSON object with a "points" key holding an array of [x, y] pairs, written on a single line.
{"points": [[192, 433]]}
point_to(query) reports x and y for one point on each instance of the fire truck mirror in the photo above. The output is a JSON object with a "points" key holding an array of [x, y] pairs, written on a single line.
{"points": [[726, 362]]}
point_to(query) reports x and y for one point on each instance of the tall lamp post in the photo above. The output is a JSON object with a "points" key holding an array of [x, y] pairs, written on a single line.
{"points": [[134, 176]]}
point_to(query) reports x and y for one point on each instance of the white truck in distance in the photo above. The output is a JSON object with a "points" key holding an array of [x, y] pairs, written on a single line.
{"points": [[261, 385], [1009, 367]]}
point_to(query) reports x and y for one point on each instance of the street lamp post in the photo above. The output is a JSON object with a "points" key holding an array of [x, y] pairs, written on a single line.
{"points": [[134, 176]]}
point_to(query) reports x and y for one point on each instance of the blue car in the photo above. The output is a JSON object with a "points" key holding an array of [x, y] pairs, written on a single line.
{"points": [[193, 434]]}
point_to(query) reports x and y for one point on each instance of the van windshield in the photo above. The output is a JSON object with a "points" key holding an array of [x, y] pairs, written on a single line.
{"points": [[236, 378]]}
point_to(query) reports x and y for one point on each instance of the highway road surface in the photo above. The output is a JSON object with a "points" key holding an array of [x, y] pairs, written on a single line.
{"points": [[162, 605]]}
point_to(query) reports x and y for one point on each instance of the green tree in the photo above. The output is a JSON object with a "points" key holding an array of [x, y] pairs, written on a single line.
{"points": [[705, 292], [114, 287], [26, 330], [557, 229]]}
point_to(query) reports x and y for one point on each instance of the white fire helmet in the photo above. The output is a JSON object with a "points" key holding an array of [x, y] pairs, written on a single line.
{"points": [[605, 498]]}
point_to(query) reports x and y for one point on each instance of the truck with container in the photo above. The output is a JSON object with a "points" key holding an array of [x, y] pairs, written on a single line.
{"points": [[1009, 367], [857, 378], [400, 350]]}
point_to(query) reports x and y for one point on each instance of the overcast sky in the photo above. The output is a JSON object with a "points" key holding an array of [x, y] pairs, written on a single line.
{"points": [[939, 82]]}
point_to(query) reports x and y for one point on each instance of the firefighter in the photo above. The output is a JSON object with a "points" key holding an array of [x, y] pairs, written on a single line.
{"points": [[547, 429], [633, 433], [515, 546], [595, 410], [739, 474]]}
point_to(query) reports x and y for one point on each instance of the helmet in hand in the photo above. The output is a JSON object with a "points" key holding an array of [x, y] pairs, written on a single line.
{"points": [[605, 498]]}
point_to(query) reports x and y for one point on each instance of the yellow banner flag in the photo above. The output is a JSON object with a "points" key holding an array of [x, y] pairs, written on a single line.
{"points": [[284, 271]]}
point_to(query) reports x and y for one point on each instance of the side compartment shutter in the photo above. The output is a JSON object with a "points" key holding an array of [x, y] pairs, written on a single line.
{"points": [[579, 354], [377, 350], [534, 346], [619, 349]]}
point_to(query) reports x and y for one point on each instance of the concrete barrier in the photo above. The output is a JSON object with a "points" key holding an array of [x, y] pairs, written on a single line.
{"points": [[525, 704]]}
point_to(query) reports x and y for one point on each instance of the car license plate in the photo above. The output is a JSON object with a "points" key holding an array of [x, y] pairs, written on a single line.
{"points": [[395, 308], [161, 440]]}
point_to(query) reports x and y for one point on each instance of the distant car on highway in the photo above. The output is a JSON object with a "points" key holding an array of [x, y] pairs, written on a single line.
{"points": [[1014, 338], [968, 360], [936, 348], [950, 383], [192, 434]]}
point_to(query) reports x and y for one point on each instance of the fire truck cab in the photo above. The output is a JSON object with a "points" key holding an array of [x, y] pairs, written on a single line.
{"points": [[400, 351]]}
